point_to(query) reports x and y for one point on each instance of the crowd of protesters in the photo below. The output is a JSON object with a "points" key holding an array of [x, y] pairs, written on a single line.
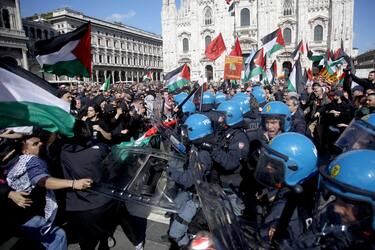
{"points": [[43, 175]]}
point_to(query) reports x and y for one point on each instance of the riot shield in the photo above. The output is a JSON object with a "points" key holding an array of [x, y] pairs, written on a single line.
{"points": [[170, 136], [137, 176], [224, 227]]}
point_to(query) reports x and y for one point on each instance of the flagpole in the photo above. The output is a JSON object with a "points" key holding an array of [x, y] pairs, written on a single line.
{"points": [[234, 23]]}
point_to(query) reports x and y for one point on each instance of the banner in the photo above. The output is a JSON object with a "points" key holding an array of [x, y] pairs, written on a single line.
{"points": [[328, 77], [233, 67]]}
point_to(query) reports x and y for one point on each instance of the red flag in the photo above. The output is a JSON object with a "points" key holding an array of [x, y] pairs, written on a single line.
{"points": [[185, 73], [215, 48], [237, 51]]}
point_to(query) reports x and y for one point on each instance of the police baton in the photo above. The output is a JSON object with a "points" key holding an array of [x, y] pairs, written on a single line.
{"points": [[186, 99]]}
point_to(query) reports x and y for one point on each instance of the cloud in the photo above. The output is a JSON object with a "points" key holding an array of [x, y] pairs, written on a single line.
{"points": [[117, 17]]}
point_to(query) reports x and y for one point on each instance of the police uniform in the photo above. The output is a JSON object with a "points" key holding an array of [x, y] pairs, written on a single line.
{"points": [[233, 148], [194, 172]]}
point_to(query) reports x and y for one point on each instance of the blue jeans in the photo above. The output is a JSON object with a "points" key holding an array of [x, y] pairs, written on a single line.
{"points": [[54, 239]]}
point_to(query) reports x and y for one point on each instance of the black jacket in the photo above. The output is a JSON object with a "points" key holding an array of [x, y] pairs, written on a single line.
{"points": [[78, 162], [365, 83], [298, 122]]}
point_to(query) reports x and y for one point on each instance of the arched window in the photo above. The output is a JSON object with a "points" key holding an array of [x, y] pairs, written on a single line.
{"points": [[6, 18], [318, 33], [51, 34], [245, 17], [38, 34], [288, 7], [45, 34], [287, 34], [207, 41], [208, 16], [185, 45]]}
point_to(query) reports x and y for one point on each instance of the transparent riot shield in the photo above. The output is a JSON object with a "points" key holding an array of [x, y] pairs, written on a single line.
{"points": [[224, 227], [137, 176], [169, 135]]}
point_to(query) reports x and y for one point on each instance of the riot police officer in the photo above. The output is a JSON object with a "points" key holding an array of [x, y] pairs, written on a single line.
{"points": [[233, 145], [260, 95], [208, 109], [208, 101], [219, 98], [250, 110], [344, 217], [360, 134], [286, 169], [275, 119], [198, 129]]}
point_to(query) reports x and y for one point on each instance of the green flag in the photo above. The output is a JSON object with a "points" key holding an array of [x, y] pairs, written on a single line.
{"points": [[106, 85]]}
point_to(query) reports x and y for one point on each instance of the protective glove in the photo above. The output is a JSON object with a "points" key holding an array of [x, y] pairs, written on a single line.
{"points": [[237, 204], [206, 146]]}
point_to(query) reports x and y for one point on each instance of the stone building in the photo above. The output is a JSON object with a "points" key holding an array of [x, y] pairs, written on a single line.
{"points": [[191, 25], [123, 52], [12, 37], [37, 29]]}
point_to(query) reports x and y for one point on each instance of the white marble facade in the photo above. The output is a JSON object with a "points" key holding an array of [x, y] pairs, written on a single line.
{"points": [[12, 37], [187, 29]]}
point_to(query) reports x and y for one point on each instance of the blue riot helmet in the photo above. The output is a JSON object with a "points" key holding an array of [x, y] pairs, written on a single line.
{"points": [[233, 113], [243, 102], [188, 107], [360, 134], [208, 98], [220, 97], [289, 159], [260, 95], [240, 95], [277, 110], [198, 126], [350, 180], [180, 97]]}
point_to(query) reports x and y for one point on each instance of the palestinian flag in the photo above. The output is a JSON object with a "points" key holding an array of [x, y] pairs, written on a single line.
{"points": [[300, 49], [331, 68], [106, 85], [273, 42], [340, 53], [256, 65], [147, 77], [296, 80], [272, 73], [313, 56], [27, 100], [177, 78], [309, 74], [68, 54], [120, 150], [231, 9]]}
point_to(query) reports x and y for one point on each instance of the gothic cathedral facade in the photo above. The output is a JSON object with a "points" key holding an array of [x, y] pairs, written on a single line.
{"points": [[190, 25]]}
